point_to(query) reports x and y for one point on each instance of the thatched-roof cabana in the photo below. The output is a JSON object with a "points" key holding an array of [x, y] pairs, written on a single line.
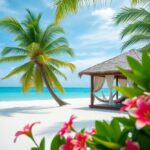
{"points": [[108, 71]]}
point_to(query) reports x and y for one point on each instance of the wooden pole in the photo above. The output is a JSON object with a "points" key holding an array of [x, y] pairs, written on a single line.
{"points": [[116, 90], [92, 91]]}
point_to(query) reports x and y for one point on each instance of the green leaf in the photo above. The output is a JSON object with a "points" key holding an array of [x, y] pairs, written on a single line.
{"points": [[142, 138], [52, 78], [128, 122], [26, 79], [34, 148], [13, 58], [134, 64], [116, 128], [57, 142], [103, 129], [19, 69], [42, 144], [146, 63], [137, 78], [14, 50], [38, 80], [107, 144], [129, 91], [82, 130], [124, 136]]}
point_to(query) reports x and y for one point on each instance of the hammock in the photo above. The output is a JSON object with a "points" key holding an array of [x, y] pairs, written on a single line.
{"points": [[118, 101], [104, 98]]}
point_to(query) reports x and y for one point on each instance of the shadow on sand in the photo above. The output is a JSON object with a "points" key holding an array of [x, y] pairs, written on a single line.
{"points": [[97, 110], [8, 112]]}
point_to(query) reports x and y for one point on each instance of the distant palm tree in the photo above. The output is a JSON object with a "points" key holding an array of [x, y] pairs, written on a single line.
{"points": [[138, 26], [65, 7], [39, 49]]}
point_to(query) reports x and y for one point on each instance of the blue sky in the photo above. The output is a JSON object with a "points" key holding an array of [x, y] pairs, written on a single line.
{"points": [[91, 33]]}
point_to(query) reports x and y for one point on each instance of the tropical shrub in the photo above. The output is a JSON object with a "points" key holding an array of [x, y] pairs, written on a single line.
{"points": [[140, 76]]}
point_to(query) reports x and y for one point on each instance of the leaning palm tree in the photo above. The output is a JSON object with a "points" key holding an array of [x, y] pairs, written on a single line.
{"points": [[65, 7], [137, 29], [38, 49]]}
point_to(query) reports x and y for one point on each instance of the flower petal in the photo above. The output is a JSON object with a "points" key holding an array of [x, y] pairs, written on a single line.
{"points": [[139, 124]]}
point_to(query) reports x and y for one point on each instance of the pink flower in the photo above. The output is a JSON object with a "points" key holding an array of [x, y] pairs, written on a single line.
{"points": [[69, 145], [67, 126], [93, 131], [80, 141], [131, 146], [129, 103], [27, 130], [142, 114]]}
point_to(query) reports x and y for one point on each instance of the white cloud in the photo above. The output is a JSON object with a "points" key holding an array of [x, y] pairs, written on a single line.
{"points": [[86, 63], [99, 39], [86, 54], [49, 4], [102, 33], [104, 14], [5, 9]]}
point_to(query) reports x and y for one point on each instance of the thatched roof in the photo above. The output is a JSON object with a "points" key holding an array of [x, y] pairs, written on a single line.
{"points": [[110, 66]]}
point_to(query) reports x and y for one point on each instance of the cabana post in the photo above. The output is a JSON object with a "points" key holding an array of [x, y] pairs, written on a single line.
{"points": [[92, 90]]}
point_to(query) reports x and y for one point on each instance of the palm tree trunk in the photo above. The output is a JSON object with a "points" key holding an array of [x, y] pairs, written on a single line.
{"points": [[56, 98]]}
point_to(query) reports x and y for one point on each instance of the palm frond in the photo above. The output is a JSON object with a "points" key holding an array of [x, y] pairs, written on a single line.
{"points": [[32, 25], [13, 58], [27, 79], [11, 24], [135, 39], [60, 50], [134, 2], [19, 69], [128, 15], [60, 63], [15, 50], [57, 72], [53, 79], [139, 27], [32, 19], [38, 80], [50, 32], [65, 7], [57, 42]]}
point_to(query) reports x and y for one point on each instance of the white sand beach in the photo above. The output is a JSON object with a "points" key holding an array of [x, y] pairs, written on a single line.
{"points": [[15, 115]]}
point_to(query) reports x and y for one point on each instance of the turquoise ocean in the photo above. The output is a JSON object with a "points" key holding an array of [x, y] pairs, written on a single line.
{"points": [[16, 94]]}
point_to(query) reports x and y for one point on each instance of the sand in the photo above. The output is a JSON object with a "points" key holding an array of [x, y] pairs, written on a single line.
{"points": [[15, 115]]}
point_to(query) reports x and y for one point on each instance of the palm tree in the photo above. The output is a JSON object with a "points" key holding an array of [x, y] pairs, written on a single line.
{"points": [[39, 49], [65, 7], [138, 26]]}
